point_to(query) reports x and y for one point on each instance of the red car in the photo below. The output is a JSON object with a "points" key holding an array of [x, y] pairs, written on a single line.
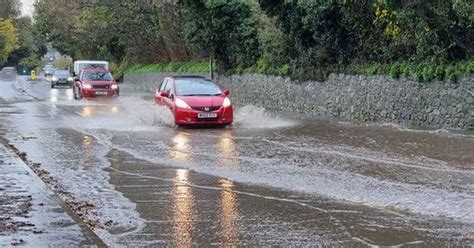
{"points": [[195, 101], [94, 82]]}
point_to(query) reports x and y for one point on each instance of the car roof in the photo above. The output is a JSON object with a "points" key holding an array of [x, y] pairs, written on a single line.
{"points": [[191, 77], [95, 69]]}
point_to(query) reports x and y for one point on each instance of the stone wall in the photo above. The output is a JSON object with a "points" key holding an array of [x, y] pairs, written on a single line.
{"points": [[353, 98]]}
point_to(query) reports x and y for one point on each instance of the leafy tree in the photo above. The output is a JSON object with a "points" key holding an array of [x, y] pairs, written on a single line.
{"points": [[10, 9], [30, 44], [227, 29], [54, 22], [8, 39]]}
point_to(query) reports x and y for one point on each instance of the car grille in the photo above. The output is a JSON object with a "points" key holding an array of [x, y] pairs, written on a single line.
{"points": [[206, 109], [100, 86]]}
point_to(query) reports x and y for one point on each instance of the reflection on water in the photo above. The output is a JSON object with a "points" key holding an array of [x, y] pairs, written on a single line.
{"points": [[69, 94], [114, 109], [228, 214], [183, 209], [54, 95], [181, 147], [227, 148], [87, 111]]}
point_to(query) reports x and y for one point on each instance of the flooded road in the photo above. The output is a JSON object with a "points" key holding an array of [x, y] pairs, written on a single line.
{"points": [[271, 179]]}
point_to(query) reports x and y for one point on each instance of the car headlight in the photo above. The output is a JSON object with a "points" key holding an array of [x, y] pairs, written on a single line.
{"points": [[54, 78], [114, 86], [70, 79], [87, 86], [181, 104], [226, 103]]}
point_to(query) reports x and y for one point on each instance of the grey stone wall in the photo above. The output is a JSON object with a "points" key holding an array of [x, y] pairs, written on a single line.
{"points": [[353, 98]]}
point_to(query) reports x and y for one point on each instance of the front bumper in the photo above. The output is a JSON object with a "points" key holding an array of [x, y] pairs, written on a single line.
{"points": [[88, 93], [61, 82], [189, 117]]}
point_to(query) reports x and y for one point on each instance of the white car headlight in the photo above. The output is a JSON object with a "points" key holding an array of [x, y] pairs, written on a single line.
{"points": [[54, 78], [181, 104], [114, 86], [226, 103], [70, 79], [87, 86]]}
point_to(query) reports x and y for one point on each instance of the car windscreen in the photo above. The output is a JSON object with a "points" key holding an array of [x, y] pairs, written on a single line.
{"points": [[97, 76], [196, 87], [61, 73]]}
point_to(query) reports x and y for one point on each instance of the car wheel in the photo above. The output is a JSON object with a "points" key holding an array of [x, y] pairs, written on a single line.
{"points": [[52, 86]]}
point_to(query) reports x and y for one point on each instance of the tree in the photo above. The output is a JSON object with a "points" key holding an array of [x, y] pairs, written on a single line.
{"points": [[227, 29], [29, 43], [8, 39], [54, 21], [9, 9]]}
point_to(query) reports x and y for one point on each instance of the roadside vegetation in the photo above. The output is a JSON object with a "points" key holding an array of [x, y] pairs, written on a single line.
{"points": [[20, 44], [424, 40]]}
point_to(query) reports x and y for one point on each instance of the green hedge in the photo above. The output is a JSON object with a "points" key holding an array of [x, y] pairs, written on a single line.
{"points": [[183, 67], [418, 72]]}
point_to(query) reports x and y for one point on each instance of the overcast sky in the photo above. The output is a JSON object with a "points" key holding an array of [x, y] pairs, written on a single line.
{"points": [[27, 7]]}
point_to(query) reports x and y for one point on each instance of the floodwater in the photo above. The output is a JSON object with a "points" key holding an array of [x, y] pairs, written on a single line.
{"points": [[270, 179]]}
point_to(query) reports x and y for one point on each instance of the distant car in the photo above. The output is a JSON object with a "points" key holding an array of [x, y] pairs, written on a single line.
{"points": [[8, 71], [48, 70], [195, 101], [61, 77], [95, 82]]}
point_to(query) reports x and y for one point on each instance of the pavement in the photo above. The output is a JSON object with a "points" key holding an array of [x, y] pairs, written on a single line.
{"points": [[30, 213]]}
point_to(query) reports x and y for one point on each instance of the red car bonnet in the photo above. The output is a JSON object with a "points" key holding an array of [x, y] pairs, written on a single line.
{"points": [[203, 101], [98, 82]]}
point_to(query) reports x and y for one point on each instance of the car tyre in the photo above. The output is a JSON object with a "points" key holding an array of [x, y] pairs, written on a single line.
{"points": [[52, 86]]}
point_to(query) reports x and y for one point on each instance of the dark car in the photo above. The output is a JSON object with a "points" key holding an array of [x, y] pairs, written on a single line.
{"points": [[195, 101], [61, 77], [48, 70], [95, 82]]}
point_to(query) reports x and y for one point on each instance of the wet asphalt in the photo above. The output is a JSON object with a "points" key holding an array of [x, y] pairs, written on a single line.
{"points": [[270, 180]]}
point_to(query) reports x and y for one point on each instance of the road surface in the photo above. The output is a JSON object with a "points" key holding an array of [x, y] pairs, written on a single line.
{"points": [[271, 179]]}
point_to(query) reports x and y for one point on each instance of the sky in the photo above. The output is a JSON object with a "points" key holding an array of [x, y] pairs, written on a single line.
{"points": [[27, 7]]}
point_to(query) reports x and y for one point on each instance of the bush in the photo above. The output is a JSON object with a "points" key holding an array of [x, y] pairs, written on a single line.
{"points": [[396, 70], [174, 66]]}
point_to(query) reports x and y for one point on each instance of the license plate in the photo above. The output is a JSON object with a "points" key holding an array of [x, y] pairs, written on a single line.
{"points": [[101, 93], [207, 115]]}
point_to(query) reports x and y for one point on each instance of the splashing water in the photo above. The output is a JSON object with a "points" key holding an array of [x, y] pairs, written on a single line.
{"points": [[256, 117]]}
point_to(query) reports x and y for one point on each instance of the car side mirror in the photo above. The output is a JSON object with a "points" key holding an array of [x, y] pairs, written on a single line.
{"points": [[164, 94], [226, 92]]}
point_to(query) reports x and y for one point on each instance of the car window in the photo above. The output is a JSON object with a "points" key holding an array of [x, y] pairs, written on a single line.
{"points": [[168, 87], [196, 87], [97, 76], [163, 85], [61, 73]]}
